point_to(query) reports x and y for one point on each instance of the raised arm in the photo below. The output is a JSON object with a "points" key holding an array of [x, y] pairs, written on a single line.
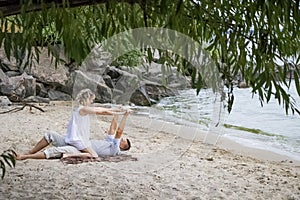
{"points": [[113, 125], [87, 110], [122, 125]]}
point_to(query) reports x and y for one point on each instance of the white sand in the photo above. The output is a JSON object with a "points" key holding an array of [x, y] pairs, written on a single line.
{"points": [[173, 163]]}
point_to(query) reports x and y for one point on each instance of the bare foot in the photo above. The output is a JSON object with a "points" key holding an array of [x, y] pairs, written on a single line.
{"points": [[20, 157]]}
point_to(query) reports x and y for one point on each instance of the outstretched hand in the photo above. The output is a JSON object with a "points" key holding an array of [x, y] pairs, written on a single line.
{"points": [[120, 110], [128, 111]]}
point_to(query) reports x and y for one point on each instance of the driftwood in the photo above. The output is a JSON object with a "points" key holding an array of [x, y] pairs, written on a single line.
{"points": [[21, 108]]}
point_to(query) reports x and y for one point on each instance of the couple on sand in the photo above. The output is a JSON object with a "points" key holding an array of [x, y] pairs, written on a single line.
{"points": [[77, 141]]}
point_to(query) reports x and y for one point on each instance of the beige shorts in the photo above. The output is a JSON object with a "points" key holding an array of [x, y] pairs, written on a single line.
{"points": [[59, 146]]}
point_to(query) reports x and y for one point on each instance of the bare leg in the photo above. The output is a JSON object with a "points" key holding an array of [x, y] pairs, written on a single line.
{"points": [[38, 155], [39, 146], [89, 151], [113, 125], [122, 125]]}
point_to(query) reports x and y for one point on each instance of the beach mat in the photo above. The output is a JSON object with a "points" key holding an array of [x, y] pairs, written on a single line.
{"points": [[77, 159]]}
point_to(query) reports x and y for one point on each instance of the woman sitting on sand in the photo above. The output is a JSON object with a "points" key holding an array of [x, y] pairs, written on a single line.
{"points": [[78, 131]]}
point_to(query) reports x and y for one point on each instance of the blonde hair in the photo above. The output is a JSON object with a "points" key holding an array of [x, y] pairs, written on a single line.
{"points": [[84, 95]]}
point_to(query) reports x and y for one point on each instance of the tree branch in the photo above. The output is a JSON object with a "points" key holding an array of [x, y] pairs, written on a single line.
{"points": [[13, 7]]}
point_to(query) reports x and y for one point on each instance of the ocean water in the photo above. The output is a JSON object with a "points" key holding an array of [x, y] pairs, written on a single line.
{"points": [[249, 123]]}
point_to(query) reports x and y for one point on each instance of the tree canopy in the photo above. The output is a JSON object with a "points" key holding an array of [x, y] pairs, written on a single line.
{"points": [[259, 39]]}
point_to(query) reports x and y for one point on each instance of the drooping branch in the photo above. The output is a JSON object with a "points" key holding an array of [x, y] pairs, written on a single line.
{"points": [[13, 7]]}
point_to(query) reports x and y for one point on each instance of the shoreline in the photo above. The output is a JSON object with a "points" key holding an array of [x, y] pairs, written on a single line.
{"points": [[195, 134], [221, 141], [251, 125], [172, 162]]}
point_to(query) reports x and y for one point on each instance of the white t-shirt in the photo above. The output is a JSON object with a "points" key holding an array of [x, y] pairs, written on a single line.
{"points": [[78, 131], [108, 147]]}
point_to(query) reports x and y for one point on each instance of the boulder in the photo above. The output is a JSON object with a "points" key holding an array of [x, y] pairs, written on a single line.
{"points": [[149, 94], [13, 73], [3, 77], [80, 80], [140, 97], [36, 99], [41, 90], [156, 91], [96, 61], [19, 87], [29, 84], [143, 85], [164, 75], [55, 95], [243, 84], [45, 70], [124, 84], [4, 101], [8, 64]]}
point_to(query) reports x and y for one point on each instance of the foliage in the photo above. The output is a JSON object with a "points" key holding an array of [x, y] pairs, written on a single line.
{"points": [[247, 37], [132, 58], [252, 130], [7, 158]]}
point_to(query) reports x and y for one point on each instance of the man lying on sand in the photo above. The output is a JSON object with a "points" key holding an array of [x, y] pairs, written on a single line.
{"points": [[111, 146]]}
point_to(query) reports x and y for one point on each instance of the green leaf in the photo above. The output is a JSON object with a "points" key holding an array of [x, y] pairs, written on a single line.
{"points": [[296, 78], [199, 83], [2, 166], [179, 6], [150, 56], [268, 96], [7, 46], [260, 81], [7, 160]]}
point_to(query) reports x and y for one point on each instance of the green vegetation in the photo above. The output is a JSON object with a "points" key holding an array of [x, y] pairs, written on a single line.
{"points": [[243, 37], [251, 130], [131, 59], [7, 158]]}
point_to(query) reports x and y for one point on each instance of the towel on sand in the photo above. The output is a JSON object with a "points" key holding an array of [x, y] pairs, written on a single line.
{"points": [[77, 159]]}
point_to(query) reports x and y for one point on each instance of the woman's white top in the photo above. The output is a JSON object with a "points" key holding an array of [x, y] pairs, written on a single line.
{"points": [[78, 131]]}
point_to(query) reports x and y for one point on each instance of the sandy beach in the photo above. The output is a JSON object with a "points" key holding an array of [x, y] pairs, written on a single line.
{"points": [[173, 162]]}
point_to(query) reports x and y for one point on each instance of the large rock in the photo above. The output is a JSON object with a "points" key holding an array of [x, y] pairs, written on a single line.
{"points": [[80, 80], [30, 85], [55, 95], [97, 61], [3, 77], [142, 85], [45, 70], [148, 83], [19, 87], [156, 91], [129, 86], [4, 101], [124, 84], [36, 99], [41, 90], [150, 93], [140, 97], [8, 64], [160, 74]]}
